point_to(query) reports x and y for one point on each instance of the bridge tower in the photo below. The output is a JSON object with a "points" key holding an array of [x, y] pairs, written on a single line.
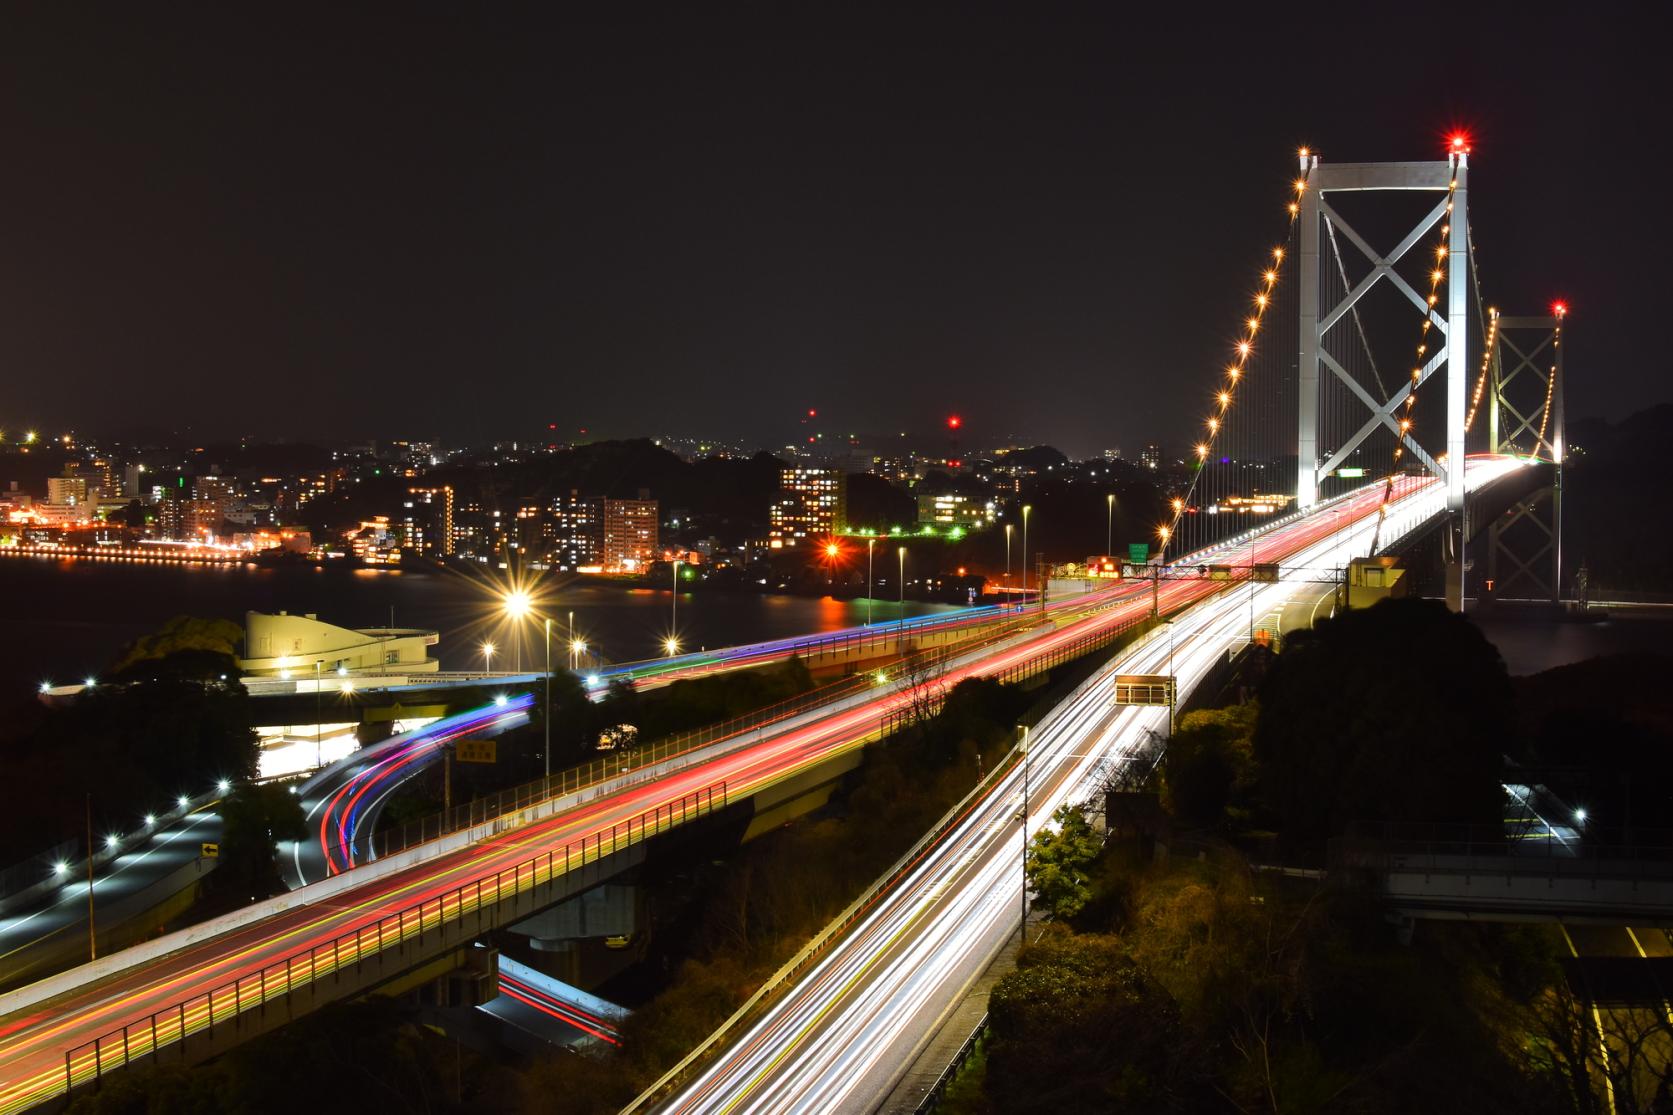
{"points": [[1320, 223], [1525, 419]]}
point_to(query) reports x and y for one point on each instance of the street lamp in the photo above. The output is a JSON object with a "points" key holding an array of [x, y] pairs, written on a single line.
{"points": [[1008, 528], [1024, 746], [1109, 524], [487, 658], [548, 716], [517, 606], [902, 555], [674, 609], [870, 543], [1025, 510], [319, 752]]}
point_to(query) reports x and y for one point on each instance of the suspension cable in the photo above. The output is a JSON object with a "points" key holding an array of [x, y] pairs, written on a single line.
{"points": [[1234, 372]]}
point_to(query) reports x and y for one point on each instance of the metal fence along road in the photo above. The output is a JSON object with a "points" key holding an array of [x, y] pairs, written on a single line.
{"points": [[149, 1035]]}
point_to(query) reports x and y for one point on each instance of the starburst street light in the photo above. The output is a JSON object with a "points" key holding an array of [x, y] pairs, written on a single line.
{"points": [[671, 645]]}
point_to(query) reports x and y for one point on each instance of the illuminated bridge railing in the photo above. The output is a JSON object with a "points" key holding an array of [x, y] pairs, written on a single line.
{"points": [[148, 1035], [619, 763]]}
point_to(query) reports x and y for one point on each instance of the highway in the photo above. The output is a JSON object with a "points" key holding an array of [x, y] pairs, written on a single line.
{"points": [[342, 802], [42, 1024], [844, 1033]]}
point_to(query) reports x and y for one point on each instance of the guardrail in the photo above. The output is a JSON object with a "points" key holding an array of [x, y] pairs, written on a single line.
{"points": [[932, 1099], [833, 932], [616, 764], [148, 1035]]}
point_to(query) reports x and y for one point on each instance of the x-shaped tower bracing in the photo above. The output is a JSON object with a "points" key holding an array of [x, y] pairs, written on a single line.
{"points": [[1448, 178]]}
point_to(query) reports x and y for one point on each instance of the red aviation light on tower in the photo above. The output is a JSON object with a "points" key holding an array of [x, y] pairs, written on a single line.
{"points": [[1559, 309], [1458, 143], [954, 421]]}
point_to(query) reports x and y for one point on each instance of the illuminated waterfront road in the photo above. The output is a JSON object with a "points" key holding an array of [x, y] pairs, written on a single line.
{"points": [[42, 1023]]}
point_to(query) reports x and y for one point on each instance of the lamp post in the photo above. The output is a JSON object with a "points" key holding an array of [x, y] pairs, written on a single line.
{"points": [[1169, 623], [902, 555], [488, 658], [319, 753], [1008, 529], [92, 936], [548, 716], [517, 606], [674, 608], [1023, 933], [1109, 524], [870, 544], [1025, 510]]}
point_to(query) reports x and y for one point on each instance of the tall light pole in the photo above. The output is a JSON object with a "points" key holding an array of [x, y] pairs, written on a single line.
{"points": [[674, 608], [548, 717], [1169, 622], [1008, 528], [1109, 524], [92, 936], [319, 753], [488, 658], [1251, 590], [902, 554], [517, 606], [1025, 510], [870, 545], [1024, 746]]}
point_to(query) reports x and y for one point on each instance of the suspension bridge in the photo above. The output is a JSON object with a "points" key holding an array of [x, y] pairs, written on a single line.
{"points": [[1371, 390]]}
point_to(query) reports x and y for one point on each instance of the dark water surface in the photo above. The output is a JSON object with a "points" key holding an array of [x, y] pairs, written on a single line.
{"points": [[62, 619]]}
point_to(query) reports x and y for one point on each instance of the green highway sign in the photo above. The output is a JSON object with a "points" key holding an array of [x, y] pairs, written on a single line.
{"points": [[1138, 552]]}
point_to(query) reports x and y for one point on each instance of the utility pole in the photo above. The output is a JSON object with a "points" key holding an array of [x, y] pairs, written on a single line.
{"points": [[1023, 933], [92, 937], [446, 779], [319, 753], [548, 717]]}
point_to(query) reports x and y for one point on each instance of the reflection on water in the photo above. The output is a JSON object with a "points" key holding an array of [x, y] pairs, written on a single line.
{"points": [[67, 618]]}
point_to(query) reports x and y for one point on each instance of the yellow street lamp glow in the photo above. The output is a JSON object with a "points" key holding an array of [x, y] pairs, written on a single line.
{"points": [[579, 646], [671, 645], [517, 604], [1243, 348]]}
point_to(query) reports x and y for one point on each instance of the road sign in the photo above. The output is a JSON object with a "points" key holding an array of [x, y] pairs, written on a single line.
{"points": [[1138, 552], [209, 851], [476, 751], [1265, 571], [1143, 689]]}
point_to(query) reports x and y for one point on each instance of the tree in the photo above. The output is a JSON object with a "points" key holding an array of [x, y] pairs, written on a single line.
{"points": [[1060, 861], [1396, 713], [210, 639], [255, 818], [1208, 758], [1080, 1027]]}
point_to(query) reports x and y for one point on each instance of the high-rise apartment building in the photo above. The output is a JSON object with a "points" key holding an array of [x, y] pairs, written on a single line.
{"points": [[574, 532], [427, 521], [811, 502], [67, 491], [1151, 456], [630, 534]]}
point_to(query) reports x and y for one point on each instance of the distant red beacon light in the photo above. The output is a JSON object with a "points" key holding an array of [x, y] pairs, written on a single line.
{"points": [[1459, 143], [1559, 309], [954, 421]]}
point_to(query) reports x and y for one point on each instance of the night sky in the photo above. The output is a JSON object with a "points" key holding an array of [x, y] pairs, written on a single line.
{"points": [[467, 222]]}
